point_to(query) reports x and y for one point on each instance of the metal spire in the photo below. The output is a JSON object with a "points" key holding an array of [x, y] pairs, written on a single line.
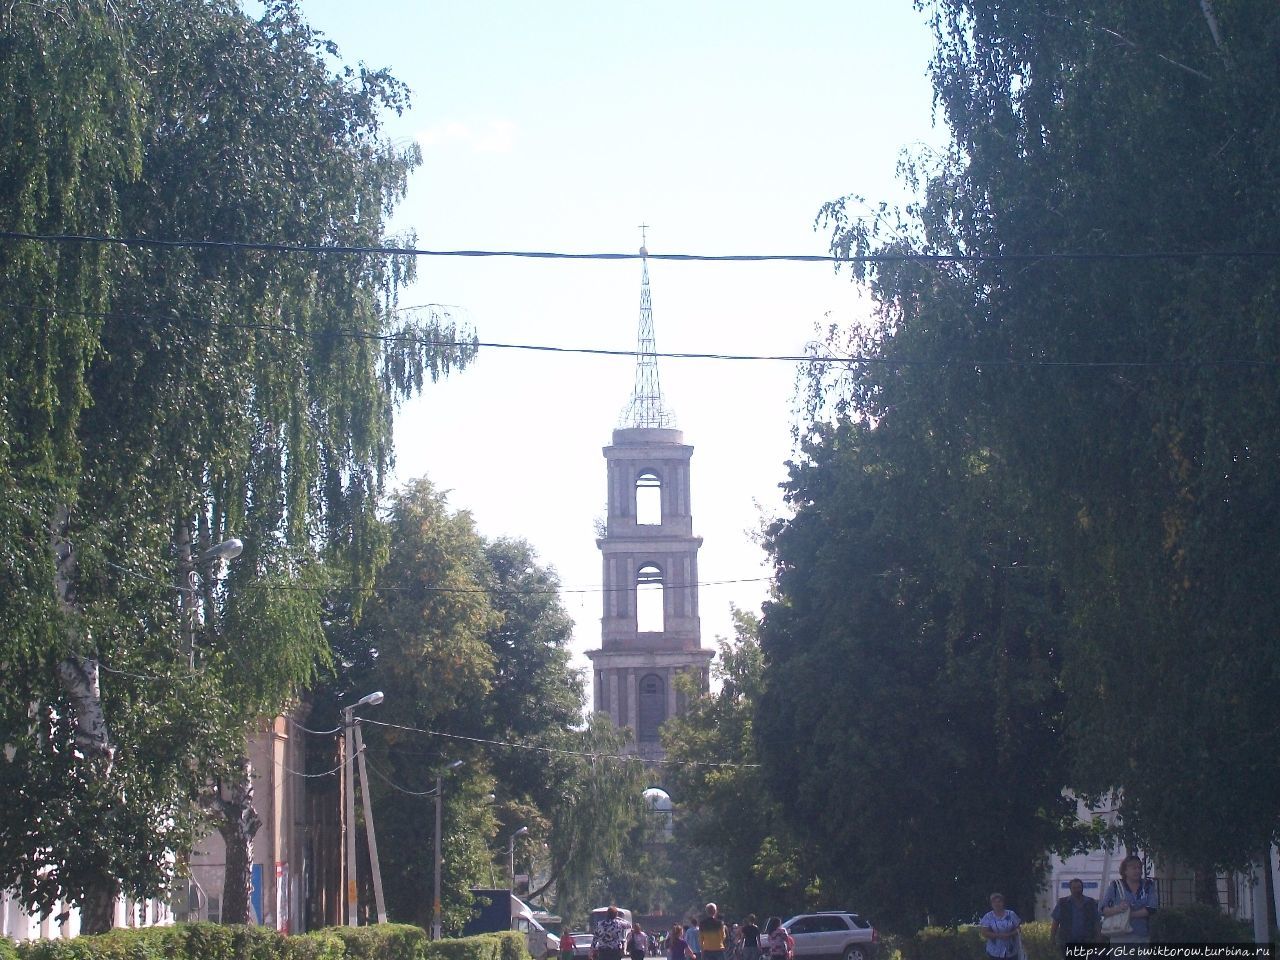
{"points": [[645, 408]]}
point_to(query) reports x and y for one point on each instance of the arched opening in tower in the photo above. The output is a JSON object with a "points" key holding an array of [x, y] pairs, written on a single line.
{"points": [[648, 499], [652, 708], [650, 616]]}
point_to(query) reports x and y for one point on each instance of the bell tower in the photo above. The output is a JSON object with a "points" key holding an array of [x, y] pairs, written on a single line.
{"points": [[650, 630]]}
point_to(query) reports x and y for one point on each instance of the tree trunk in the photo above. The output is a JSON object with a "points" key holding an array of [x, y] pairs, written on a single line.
{"points": [[238, 824], [98, 908], [78, 675], [79, 679]]}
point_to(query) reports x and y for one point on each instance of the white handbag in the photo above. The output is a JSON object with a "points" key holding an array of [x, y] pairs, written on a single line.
{"points": [[1117, 924]]}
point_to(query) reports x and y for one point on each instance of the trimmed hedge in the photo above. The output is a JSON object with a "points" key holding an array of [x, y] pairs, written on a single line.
{"points": [[212, 941], [485, 946], [966, 943], [1198, 923], [1190, 924]]}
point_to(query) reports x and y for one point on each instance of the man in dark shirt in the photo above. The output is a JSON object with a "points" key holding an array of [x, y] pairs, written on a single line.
{"points": [[1076, 918]]}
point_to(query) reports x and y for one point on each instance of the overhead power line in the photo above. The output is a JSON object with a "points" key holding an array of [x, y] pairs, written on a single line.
{"points": [[537, 748], [813, 358], [426, 588], [386, 250]]}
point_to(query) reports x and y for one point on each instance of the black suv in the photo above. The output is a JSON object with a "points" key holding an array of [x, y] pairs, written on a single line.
{"points": [[833, 933]]}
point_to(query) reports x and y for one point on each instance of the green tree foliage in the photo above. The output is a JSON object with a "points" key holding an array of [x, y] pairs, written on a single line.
{"points": [[1146, 490], [735, 846], [642, 878], [157, 401], [468, 638], [911, 673], [591, 828], [421, 641]]}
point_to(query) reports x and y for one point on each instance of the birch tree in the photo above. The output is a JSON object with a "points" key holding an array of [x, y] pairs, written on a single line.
{"points": [[158, 401]]}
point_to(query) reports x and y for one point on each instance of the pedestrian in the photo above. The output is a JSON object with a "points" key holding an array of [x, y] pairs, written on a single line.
{"points": [[734, 948], [693, 937], [566, 944], [780, 943], [1135, 895], [712, 934], [637, 943], [750, 939], [677, 945], [999, 927], [1075, 918], [609, 939]]}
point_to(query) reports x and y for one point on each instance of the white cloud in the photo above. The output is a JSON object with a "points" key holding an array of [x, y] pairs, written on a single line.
{"points": [[478, 136]]}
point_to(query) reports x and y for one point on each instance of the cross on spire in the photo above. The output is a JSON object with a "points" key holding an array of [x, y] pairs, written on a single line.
{"points": [[646, 408]]}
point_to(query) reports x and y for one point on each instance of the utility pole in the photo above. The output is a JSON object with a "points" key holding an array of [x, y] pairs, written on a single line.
{"points": [[348, 770], [511, 855], [379, 902], [436, 931]]}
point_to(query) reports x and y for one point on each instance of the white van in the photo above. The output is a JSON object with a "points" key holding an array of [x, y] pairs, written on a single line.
{"points": [[540, 943]]}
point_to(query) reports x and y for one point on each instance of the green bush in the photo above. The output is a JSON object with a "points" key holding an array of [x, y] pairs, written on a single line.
{"points": [[508, 945], [1038, 941], [212, 941], [146, 943], [1198, 923], [319, 945], [383, 941], [966, 943], [943, 943]]}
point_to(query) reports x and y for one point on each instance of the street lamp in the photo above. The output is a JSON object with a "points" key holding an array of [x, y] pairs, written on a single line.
{"points": [[511, 854], [435, 902], [227, 550], [354, 745]]}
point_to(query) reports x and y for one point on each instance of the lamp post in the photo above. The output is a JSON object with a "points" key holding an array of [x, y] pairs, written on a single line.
{"points": [[348, 726], [228, 550], [511, 855], [435, 902]]}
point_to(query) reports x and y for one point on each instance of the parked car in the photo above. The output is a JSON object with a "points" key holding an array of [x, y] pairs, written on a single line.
{"points": [[833, 933], [581, 946]]}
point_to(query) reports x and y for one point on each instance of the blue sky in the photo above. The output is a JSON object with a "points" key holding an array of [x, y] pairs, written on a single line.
{"points": [[562, 126]]}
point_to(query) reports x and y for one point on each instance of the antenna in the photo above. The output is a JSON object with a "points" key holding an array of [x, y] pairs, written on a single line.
{"points": [[646, 408]]}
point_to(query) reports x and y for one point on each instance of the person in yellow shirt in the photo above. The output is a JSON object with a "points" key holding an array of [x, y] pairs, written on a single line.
{"points": [[712, 934]]}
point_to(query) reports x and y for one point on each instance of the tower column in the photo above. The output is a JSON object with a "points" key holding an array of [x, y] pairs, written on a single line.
{"points": [[633, 700]]}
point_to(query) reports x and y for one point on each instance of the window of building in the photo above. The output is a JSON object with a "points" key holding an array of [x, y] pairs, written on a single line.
{"points": [[650, 616], [648, 499], [651, 711]]}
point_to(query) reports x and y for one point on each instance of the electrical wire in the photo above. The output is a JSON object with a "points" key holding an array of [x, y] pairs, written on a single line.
{"points": [[386, 250], [395, 786], [626, 758], [327, 773], [318, 733], [631, 353], [493, 591]]}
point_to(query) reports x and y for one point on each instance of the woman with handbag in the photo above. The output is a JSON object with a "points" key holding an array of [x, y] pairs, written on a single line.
{"points": [[782, 945], [1128, 904]]}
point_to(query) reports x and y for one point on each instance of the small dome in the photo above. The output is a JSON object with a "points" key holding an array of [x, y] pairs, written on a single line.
{"points": [[658, 799], [644, 251]]}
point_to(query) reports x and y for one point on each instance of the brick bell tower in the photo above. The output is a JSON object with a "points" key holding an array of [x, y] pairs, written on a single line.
{"points": [[650, 630]]}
